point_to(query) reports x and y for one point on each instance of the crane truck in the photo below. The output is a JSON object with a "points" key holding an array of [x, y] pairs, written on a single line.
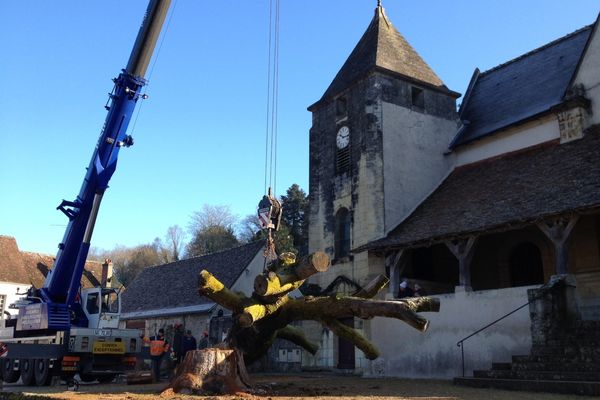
{"points": [[61, 329]]}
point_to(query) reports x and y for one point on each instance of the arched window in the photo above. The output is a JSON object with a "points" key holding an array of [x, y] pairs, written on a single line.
{"points": [[342, 233], [526, 266]]}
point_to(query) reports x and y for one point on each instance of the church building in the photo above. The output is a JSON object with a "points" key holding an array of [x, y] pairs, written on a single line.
{"points": [[475, 204]]}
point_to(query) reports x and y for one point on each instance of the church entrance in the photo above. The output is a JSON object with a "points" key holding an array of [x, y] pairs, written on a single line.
{"points": [[346, 348]]}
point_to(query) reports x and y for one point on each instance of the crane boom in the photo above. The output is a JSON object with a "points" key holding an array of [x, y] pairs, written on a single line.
{"points": [[62, 283]]}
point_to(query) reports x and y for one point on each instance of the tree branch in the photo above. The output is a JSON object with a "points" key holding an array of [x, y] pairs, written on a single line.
{"points": [[212, 288], [297, 336], [373, 287], [354, 337], [322, 308]]}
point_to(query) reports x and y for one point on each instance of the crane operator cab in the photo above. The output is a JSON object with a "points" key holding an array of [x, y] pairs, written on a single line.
{"points": [[101, 306]]}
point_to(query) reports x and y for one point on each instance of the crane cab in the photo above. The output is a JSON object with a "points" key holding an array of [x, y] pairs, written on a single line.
{"points": [[101, 306]]}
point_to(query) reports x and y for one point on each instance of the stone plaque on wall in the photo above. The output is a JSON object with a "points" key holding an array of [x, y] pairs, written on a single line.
{"points": [[571, 124]]}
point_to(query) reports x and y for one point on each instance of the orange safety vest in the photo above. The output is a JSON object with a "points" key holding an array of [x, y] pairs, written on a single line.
{"points": [[158, 346]]}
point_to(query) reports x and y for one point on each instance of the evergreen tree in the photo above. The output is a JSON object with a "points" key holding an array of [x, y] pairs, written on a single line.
{"points": [[294, 217]]}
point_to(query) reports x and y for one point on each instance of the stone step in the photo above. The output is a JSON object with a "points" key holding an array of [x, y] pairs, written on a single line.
{"points": [[559, 367], [551, 386], [556, 359], [591, 325], [501, 366], [589, 313], [587, 353], [539, 375]]}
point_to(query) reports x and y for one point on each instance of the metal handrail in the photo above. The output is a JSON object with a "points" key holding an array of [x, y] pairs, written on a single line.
{"points": [[460, 343]]}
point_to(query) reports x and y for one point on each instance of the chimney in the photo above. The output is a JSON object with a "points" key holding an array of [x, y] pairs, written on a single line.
{"points": [[107, 273]]}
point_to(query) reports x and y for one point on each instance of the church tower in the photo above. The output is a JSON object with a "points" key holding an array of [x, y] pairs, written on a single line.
{"points": [[377, 144]]}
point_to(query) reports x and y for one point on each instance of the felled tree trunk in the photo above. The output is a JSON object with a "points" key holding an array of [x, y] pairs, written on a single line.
{"points": [[267, 314], [212, 371]]}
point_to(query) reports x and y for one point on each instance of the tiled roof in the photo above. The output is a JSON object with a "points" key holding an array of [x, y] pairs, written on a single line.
{"points": [[12, 267], [520, 89], [175, 285], [383, 48], [31, 268], [509, 191]]}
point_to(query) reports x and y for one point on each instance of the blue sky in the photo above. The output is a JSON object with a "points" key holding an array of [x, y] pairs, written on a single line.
{"points": [[200, 136]]}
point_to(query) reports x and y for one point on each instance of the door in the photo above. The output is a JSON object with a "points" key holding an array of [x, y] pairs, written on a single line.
{"points": [[346, 348]]}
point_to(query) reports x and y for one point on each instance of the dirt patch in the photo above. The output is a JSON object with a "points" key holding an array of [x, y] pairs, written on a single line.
{"points": [[291, 387]]}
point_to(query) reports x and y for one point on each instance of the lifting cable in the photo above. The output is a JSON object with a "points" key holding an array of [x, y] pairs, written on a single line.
{"points": [[272, 99], [269, 208]]}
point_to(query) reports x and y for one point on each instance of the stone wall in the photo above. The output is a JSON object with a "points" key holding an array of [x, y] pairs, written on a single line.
{"points": [[588, 77], [408, 353]]}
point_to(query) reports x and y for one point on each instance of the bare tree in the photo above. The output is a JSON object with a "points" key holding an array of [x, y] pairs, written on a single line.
{"points": [[210, 215], [171, 246], [130, 261], [212, 230], [250, 229]]}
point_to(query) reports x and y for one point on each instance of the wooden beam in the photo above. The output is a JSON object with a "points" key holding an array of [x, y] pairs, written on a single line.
{"points": [[396, 263], [463, 250], [558, 230]]}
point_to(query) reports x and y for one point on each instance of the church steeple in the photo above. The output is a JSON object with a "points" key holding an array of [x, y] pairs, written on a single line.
{"points": [[383, 48]]}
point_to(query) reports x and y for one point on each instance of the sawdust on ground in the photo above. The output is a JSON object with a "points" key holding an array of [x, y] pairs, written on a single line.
{"points": [[287, 387]]}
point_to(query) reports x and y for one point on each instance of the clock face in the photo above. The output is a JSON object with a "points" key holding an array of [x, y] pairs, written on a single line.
{"points": [[343, 137]]}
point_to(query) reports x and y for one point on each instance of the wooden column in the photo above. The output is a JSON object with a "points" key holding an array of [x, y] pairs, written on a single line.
{"points": [[395, 262], [558, 230], [463, 251]]}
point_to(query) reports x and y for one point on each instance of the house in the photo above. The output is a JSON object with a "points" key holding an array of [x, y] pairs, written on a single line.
{"points": [[165, 295], [476, 205], [19, 270]]}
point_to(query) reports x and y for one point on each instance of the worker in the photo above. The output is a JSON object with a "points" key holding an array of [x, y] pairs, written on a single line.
{"points": [[404, 290], [158, 347], [204, 341], [177, 342], [188, 343]]}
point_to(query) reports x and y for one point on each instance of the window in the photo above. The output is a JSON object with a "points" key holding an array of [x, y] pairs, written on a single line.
{"points": [[341, 107], [342, 233], [418, 97], [91, 304], [342, 160], [110, 301]]}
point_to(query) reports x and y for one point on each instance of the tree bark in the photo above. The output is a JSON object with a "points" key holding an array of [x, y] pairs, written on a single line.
{"points": [[218, 371], [288, 278]]}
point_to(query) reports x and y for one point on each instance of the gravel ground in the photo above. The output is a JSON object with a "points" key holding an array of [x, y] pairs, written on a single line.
{"points": [[284, 387]]}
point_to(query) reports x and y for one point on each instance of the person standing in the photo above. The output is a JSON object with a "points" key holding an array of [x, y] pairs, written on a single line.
{"points": [[404, 290], [177, 342], [419, 291], [188, 343], [204, 341], [158, 347]]}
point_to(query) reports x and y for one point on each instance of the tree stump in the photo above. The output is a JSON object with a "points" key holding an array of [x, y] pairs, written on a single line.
{"points": [[212, 370]]}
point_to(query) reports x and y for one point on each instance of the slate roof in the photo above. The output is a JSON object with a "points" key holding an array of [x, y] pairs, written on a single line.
{"points": [[31, 268], [382, 48], [506, 192], [521, 88], [175, 285]]}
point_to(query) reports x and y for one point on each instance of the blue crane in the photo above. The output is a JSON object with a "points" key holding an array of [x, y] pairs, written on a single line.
{"points": [[61, 288]]}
